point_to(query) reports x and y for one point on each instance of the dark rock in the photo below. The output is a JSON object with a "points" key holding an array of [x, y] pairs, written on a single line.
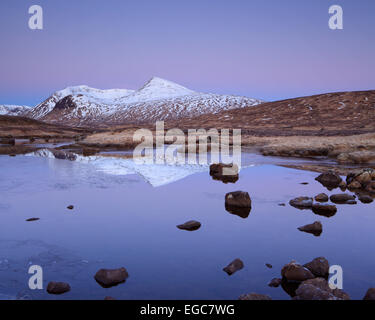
{"points": [[12, 155], [190, 225], [33, 219], [315, 228], [365, 199], [296, 272], [238, 203], [321, 197], [304, 183], [238, 199], [70, 207], [111, 277], [319, 289], [290, 287], [268, 265], [354, 185], [254, 296], [319, 267], [58, 287], [275, 282], [370, 294], [301, 202], [329, 179], [224, 172], [326, 210], [341, 198], [63, 155], [234, 266]]}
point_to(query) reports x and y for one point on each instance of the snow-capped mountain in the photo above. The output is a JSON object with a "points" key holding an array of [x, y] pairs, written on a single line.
{"points": [[12, 110], [158, 99]]}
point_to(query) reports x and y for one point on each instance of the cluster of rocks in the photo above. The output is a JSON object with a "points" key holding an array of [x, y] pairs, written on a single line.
{"points": [[105, 277], [309, 281], [361, 181]]}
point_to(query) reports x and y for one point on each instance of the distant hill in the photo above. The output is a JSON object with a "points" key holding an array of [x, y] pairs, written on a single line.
{"points": [[323, 114]]}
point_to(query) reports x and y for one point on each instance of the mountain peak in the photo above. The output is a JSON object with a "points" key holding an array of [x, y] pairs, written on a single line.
{"points": [[158, 88]]}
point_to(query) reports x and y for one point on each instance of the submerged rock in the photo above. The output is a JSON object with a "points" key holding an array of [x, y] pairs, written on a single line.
{"points": [[370, 294], [224, 172], [254, 296], [319, 289], [302, 202], [190, 225], [319, 267], [329, 179], [70, 207], [275, 282], [321, 197], [58, 287], [234, 266], [32, 219], [269, 266], [293, 271], [315, 228], [109, 298], [341, 198], [111, 277], [326, 210]]}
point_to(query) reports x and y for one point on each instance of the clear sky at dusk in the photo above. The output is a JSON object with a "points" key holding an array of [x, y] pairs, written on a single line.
{"points": [[268, 49]]}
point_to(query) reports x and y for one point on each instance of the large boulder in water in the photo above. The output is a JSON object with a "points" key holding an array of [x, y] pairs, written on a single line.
{"points": [[224, 172], [58, 287], [326, 210], [234, 266], [319, 267], [315, 228], [238, 203], [293, 271], [329, 179], [190, 225], [341, 198], [319, 289], [111, 277]]}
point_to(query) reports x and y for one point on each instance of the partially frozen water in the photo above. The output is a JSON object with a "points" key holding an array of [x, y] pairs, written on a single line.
{"points": [[126, 215]]}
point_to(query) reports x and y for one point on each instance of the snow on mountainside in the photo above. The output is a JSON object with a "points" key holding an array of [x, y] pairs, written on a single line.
{"points": [[158, 99], [11, 110]]}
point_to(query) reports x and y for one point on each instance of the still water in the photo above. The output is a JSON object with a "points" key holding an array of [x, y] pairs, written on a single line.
{"points": [[125, 218]]}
